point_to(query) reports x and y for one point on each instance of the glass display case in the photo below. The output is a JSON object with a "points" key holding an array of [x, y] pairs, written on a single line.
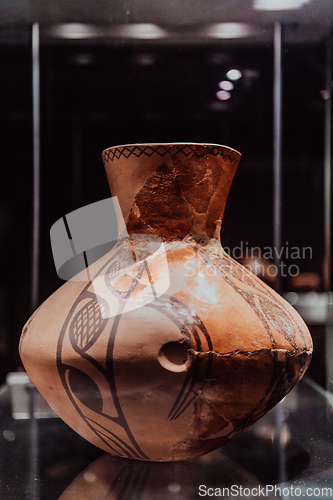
{"points": [[253, 75]]}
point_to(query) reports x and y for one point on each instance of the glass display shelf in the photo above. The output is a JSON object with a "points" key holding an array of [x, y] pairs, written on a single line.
{"points": [[288, 454]]}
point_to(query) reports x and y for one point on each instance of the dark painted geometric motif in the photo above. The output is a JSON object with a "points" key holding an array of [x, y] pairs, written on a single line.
{"points": [[195, 335], [87, 325], [161, 150], [84, 325], [271, 315], [85, 389]]}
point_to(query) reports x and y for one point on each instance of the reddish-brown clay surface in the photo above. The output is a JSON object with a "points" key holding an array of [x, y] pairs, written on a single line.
{"points": [[179, 374]]}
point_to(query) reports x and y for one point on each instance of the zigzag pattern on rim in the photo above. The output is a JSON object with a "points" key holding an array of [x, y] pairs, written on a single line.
{"points": [[185, 149]]}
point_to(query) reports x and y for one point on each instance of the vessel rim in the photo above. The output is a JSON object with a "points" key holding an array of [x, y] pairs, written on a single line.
{"points": [[147, 144]]}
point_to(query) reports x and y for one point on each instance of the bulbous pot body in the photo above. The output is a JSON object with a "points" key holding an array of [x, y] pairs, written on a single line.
{"points": [[192, 348]]}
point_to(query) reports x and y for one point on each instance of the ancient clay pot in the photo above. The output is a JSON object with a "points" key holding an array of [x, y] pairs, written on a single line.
{"points": [[176, 372]]}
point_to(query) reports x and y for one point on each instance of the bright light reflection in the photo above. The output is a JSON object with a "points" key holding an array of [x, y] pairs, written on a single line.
{"points": [[230, 30], [174, 487], [143, 31], [325, 94], [223, 95], [74, 30], [234, 74], [278, 4], [226, 85]]}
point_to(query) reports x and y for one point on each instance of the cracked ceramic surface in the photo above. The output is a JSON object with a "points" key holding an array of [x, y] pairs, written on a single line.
{"points": [[185, 371]]}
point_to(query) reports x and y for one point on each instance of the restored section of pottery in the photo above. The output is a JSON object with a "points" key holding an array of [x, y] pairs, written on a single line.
{"points": [[191, 367], [171, 190]]}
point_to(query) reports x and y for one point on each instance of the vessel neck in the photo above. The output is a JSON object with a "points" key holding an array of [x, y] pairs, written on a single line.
{"points": [[173, 191]]}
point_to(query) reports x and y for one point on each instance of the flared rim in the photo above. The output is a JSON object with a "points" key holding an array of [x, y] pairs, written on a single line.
{"points": [[169, 144]]}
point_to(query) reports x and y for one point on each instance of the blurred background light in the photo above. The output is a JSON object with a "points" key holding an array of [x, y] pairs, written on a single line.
{"points": [[234, 74], [73, 30], [226, 85], [325, 94], [143, 31], [230, 30], [223, 95], [145, 59], [278, 4]]}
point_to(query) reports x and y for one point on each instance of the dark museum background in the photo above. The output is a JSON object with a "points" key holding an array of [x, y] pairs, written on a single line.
{"points": [[126, 71]]}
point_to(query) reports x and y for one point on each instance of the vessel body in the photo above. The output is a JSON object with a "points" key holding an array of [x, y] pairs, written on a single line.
{"points": [[181, 349]]}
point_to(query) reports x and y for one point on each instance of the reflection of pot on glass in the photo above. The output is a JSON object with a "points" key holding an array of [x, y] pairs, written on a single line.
{"points": [[261, 267], [113, 478], [178, 375]]}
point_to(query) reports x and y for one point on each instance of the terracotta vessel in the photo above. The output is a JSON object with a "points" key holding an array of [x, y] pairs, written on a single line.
{"points": [[198, 348]]}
